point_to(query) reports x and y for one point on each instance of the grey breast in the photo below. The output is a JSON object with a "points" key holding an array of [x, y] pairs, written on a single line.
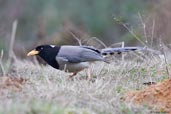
{"points": [[76, 57]]}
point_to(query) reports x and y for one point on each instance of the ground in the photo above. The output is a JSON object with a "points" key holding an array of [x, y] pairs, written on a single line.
{"points": [[39, 89]]}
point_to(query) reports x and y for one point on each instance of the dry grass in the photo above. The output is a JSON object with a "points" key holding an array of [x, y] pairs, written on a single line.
{"points": [[48, 91]]}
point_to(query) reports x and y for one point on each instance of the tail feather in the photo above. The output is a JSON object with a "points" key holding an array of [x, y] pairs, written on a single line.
{"points": [[111, 51]]}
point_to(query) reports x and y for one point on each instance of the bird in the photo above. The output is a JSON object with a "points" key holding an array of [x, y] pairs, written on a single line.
{"points": [[74, 58]]}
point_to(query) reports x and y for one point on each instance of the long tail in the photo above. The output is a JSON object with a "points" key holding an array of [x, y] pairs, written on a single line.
{"points": [[112, 51]]}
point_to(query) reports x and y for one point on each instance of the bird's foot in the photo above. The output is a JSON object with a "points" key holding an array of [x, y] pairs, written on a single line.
{"points": [[72, 75]]}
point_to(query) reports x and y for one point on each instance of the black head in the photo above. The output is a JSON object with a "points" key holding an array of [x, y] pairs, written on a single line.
{"points": [[47, 53], [42, 49]]}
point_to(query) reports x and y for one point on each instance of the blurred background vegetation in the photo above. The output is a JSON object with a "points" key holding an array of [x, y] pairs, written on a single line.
{"points": [[53, 21]]}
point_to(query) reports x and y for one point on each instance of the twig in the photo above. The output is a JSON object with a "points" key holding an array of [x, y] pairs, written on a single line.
{"points": [[123, 56], [116, 44], [129, 30], [152, 34], [98, 40], [1, 64], [144, 27], [76, 38], [14, 28]]}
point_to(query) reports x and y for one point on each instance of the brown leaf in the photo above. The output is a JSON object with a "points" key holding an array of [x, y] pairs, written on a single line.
{"points": [[12, 83]]}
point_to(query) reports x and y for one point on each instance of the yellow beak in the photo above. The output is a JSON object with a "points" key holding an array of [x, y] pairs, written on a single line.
{"points": [[33, 52]]}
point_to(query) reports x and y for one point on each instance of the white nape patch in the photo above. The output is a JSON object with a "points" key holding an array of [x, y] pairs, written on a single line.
{"points": [[52, 46]]}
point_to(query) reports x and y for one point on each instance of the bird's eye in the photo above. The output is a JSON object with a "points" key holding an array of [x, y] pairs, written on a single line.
{"points": [[41, 48]]}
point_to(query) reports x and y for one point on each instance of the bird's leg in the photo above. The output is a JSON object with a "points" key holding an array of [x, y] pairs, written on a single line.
{"points": [[88, 74]]}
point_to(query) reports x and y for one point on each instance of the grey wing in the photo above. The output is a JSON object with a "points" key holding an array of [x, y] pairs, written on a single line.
{"points": [[62, 60], [91, 55], [76, 54], [91, 48]]}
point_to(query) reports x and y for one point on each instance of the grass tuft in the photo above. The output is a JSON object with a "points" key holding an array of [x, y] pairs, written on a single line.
{"points": [[48, 90]]}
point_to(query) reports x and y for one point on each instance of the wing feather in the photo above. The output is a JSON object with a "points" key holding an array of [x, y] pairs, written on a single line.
{"points": [[76, 54]]}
